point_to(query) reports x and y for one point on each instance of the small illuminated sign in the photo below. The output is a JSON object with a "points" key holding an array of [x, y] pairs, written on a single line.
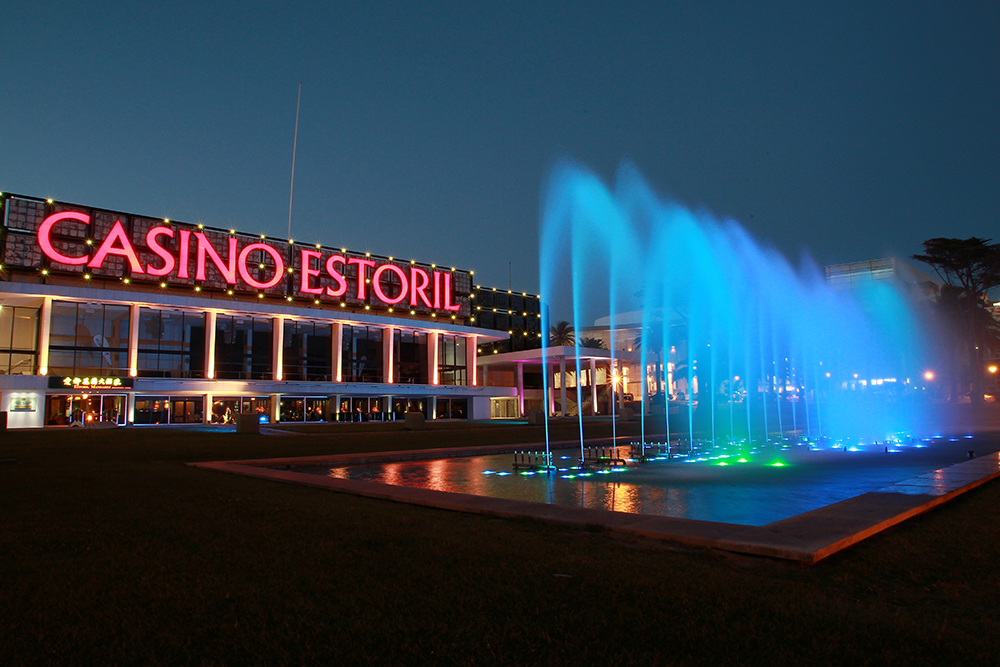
{"points": [[23, 404], [89, 383]]}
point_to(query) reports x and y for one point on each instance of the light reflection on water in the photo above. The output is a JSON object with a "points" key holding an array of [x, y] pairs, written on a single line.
{"points": [[754, 492]]}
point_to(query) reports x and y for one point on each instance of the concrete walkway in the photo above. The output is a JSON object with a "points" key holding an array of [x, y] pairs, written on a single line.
{"points": [[806, 538]]}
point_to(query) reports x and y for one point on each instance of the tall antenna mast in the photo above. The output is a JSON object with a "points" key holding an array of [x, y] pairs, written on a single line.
{"points": [[295, 144]]}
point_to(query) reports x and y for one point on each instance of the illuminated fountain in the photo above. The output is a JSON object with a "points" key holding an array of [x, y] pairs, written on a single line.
{"points": [[737, 345]]}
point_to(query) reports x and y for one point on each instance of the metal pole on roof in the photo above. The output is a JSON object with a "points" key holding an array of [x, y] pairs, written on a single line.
{"points": [[295, 144]]}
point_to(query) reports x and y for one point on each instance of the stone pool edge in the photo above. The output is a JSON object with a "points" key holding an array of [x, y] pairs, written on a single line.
{"points": [[805, 538]]}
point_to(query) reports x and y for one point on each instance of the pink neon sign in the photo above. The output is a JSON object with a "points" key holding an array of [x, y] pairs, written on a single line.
{"points": [[319, 274]]}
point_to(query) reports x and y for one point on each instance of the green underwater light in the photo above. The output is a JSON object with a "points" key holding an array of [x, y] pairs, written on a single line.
{"points": [[777, 464]]}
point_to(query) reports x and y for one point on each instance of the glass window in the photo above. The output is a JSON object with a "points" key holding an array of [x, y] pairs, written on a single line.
{"points": [[291, 409], [452, 408], [21, 364], [152, 410], [18, 339], [25, 335], [307, 351], [225, 409], [186, 410], [362, 354], [171, 343], [316, 409], [62, 330], [451, 360], [410, 357], [96, 335], [259, 405], [243, 348], [61, 362], [6, 327], [299, 409]]}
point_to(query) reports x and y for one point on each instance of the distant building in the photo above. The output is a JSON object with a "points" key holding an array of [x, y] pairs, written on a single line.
{"points": [[877, 270]]}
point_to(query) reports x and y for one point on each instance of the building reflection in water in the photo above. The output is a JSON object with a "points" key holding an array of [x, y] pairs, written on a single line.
{"points": [[754, 494]]}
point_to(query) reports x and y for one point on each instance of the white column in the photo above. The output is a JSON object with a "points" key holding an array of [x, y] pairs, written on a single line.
{"points": [[551, 398], [206, 414], [432, 356], [562, 386], [275, 408], [433, 407], [519, 376], [130, 408], [337, 349], [387, 347], [44, 329], [277, 347], [470, 360], [133, 340], [593, 384], [614, 387], [486, 375], [210, 344]]}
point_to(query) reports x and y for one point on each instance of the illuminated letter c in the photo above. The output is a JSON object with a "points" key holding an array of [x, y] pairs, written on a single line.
{"points": [[46, 243]]}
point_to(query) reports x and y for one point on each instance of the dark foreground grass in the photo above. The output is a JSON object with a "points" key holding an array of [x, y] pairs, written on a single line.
{"points": [[112, 551]]}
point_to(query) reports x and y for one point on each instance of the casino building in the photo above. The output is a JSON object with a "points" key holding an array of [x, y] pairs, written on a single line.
{"points": [[121, 318]]}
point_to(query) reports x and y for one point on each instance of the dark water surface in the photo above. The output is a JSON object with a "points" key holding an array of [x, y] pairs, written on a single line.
{"points": [[755, 492]]}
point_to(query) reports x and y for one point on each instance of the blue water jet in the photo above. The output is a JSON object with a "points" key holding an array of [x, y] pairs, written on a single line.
{"points": [[725, 324]]}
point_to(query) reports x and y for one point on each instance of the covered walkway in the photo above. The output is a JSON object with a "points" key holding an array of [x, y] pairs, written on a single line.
{"points": [[601, 372]]}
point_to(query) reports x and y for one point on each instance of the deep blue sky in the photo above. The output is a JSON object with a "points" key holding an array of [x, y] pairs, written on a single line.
{"points": [[851, 131]]}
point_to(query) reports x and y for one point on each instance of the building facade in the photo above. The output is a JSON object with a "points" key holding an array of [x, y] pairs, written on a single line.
{"points": [[127, 319]]}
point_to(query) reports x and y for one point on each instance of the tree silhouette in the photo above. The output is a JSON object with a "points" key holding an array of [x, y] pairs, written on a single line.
{"points": [[592, 343], [970, 267]]}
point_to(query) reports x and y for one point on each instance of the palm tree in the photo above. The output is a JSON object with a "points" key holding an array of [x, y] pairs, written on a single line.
{"points": [[592, 343], [561, 334]]}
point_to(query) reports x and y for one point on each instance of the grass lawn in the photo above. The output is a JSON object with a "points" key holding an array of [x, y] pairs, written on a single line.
{"points": [[112, 551]]}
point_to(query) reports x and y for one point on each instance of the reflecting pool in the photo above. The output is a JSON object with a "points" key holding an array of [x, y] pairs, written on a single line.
{"points": [[725, 484]]}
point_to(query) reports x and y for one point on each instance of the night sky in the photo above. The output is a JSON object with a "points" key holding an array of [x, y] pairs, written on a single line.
{"points": [[849, 131]]}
